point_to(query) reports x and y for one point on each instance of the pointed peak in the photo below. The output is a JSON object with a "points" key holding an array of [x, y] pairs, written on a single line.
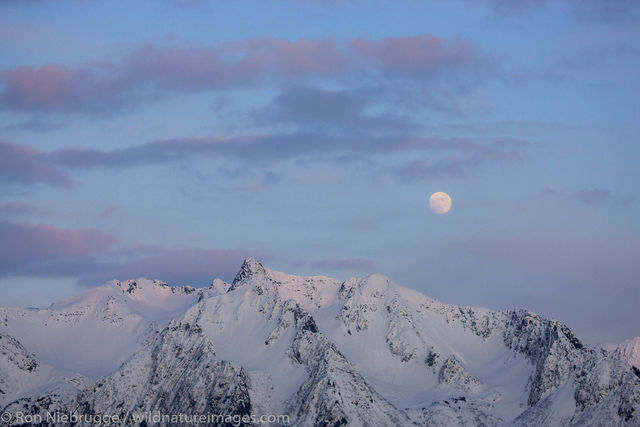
{"points": [[250, 268]]}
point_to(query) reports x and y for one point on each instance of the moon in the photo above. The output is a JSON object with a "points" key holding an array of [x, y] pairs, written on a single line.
{"points": [[440, 202]]}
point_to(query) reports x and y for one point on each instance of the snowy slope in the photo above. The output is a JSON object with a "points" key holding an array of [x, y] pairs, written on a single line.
{"points": [[629, 351], [361, 352], [23, 375], [95, 332]]}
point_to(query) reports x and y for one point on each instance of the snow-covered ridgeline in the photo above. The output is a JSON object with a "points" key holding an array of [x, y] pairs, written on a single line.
{"points": [[360, 352]]}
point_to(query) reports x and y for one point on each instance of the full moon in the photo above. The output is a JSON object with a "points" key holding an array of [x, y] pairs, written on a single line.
{"points": [[440, 202]]}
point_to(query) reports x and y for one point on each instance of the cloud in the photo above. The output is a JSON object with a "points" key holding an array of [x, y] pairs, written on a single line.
{"points": [[94, 257], [612, 12], [146, 72], [423, 58], [462, 162], [434, 156], [24, 245], [20, 164], [279, 147], [32, 126], [343, 110], [187, 266], [18, 209], [589, 196]]}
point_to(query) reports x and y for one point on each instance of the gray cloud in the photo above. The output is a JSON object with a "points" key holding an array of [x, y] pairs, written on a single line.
{"points": [[12, 208], [344, 111], [434, 156], [588, 196], [22, 165], [279, 147]]}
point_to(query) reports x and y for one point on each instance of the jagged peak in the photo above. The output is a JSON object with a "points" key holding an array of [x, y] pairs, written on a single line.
{"points": [[250, 268]]}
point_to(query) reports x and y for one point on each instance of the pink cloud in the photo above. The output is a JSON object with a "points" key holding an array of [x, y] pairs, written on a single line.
{"points": [[149, 71], [321, 57], [421, 57], [22, 245], [44, 86], [94, 257]]}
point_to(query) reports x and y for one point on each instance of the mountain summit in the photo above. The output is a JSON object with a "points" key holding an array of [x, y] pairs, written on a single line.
{"points": [[250, 268], [321, 351]]}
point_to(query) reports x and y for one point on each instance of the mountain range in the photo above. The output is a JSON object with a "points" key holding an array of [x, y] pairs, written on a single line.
{"points": [[304, 351]]}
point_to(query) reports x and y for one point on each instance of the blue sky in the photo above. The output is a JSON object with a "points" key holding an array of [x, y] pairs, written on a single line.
{"points": [[172, 139]]}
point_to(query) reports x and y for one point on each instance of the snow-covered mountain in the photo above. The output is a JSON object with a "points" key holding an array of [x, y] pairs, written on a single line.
{"points": [[321, 351], [629, 351], [95, 332]]}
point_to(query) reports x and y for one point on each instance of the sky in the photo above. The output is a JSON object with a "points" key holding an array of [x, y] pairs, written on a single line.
{"points": [[173, 139]]}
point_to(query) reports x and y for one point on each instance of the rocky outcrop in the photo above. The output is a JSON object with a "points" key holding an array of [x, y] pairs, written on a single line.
{"points": [[335, 393], [178, 374]]}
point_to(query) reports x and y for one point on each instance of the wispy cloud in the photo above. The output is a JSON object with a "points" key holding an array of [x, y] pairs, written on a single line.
{"points": [[35, 125], [435, 156], [13, 208], [147, 72], [22, 165], [25, 244], [590, 196], [268, 147], [92, 256]]}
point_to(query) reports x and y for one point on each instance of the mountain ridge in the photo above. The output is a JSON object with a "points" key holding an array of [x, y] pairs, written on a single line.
{"points": [[364, 351]]}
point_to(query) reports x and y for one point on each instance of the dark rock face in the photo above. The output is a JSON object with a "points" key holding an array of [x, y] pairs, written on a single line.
{"points": [[250, 268], [452, 371], [15, 354], [550, 346], [432, 359], [178, 374], [335, 393]]}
